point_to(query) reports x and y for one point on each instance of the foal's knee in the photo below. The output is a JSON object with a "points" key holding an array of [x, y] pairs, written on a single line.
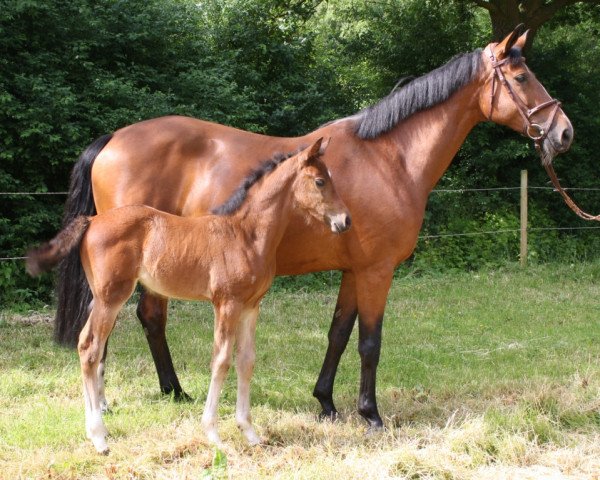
{"points": [[246, 360], [221, 362]]}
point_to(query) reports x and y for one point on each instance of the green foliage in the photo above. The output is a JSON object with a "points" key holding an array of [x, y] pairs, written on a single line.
{"points": [[71, 71]]}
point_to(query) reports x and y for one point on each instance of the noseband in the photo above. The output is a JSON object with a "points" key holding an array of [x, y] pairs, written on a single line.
{"points": [[535, 131]]}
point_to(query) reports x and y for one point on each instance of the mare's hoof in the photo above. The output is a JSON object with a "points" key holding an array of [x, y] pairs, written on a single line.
{"points": [[374, 429], [182, 397], [331, 416], [178, 396]]}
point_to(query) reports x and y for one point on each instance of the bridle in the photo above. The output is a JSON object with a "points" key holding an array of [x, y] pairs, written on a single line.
{"points": [[535, 131]]}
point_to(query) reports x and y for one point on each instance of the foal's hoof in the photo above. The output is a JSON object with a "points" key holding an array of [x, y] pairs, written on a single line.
{"points": [[104, 408], [101, 446]]}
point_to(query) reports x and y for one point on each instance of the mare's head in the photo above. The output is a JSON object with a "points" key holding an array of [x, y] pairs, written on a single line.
{"points": [[513, 96], [314, 192]]}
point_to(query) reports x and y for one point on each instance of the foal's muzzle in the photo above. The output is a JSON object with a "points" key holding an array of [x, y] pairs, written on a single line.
{"points": [[340, 223]]}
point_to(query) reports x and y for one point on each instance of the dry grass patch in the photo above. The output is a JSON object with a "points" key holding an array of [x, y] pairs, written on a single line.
{"points": [[472, 384]]}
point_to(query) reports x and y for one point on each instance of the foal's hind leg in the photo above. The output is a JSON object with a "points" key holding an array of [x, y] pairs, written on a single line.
{"points": [[152, 313], [226, 319], [101, 369], [244, 366], [92, 342]]}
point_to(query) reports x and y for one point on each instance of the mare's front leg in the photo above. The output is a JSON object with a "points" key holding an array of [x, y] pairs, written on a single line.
{"points": [[372, 288], [343, 321], [245, 340], [152, 313], [91, 348], [227, 316]]}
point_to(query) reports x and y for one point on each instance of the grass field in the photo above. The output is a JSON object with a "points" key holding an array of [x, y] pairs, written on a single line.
{"points": [[489, 375]]}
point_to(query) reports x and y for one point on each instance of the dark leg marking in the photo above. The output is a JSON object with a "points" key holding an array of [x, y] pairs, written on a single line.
{"points": [[342, 324], [152, 313], [369, 348]]}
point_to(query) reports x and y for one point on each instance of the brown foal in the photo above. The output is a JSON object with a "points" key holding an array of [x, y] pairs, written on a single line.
{"points": [[227, 259]]}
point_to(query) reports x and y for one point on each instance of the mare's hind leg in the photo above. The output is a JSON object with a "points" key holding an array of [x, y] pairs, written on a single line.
{"points": [[91, 347], [226, 320], [152, 313], [343, 321], [244, 366]]}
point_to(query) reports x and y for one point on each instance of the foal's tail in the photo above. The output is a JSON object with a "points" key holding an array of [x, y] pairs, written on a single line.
{"points": [[74, 294], [46, 256]]}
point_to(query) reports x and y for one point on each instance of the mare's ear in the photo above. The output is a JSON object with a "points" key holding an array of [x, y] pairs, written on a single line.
{"points": [[522, 40], [312, 153], [501, 50]]}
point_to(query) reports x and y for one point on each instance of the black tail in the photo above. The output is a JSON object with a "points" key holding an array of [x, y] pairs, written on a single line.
{"points": [[74, 295]]}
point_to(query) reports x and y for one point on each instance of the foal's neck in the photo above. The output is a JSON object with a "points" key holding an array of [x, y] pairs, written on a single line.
{"points": [[266, 212]]}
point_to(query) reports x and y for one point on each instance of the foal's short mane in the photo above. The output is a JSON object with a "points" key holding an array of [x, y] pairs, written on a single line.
{"points": [[419, 94], [235, 201]]}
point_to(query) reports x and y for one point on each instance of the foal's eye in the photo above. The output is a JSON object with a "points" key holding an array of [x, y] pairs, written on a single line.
{"points": [[320, 182], [521, 78]]}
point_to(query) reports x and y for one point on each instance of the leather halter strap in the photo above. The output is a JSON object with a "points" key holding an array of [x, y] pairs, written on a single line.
{"points": [[534, 131]]}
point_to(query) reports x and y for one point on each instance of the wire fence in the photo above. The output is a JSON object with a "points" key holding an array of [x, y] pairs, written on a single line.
{"points": [[421, 237]]}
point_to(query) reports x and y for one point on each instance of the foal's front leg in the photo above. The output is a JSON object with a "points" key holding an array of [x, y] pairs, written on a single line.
{"points": [[226, 320], [244, 367]]}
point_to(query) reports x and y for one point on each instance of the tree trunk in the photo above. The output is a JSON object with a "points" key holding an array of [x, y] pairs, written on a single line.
{"points": [[507, 14]]}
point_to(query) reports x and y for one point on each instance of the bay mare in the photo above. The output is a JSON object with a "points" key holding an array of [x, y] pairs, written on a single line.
{"points": [[228, 259], [385, 160]]}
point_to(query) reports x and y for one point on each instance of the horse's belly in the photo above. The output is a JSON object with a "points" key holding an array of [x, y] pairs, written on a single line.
{"points": [[184, 287]]}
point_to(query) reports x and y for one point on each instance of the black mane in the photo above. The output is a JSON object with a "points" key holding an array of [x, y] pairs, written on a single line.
{"points": [[419, 94], [237, 198]]}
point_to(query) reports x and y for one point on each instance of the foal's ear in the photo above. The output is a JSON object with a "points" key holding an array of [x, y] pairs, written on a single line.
{"points": [[313, 152], [502, 49], [324, 145]]}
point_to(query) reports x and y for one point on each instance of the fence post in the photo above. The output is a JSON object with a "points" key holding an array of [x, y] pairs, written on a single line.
{"points": [[523, 253]]}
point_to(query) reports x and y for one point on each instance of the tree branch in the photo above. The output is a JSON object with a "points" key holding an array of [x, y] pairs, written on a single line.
{"points": [[546, 12], [487, 5]]}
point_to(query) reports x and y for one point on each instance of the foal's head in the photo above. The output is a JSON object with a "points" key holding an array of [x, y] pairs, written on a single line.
{"points": [[314, 192], [513, 96]]}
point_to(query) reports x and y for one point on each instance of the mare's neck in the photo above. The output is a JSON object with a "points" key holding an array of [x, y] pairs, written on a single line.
{"points": [[429, 140], [266, 212]]}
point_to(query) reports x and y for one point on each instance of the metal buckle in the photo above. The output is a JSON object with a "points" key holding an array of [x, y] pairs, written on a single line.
{"points": [[535, 131]]}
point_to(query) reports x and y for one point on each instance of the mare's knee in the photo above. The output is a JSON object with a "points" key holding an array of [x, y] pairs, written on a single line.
{"points": [[153, 317]]}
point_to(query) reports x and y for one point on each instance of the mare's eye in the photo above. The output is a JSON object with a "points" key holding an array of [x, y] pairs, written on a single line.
{"points": [[320, 182], [521, 78]]}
